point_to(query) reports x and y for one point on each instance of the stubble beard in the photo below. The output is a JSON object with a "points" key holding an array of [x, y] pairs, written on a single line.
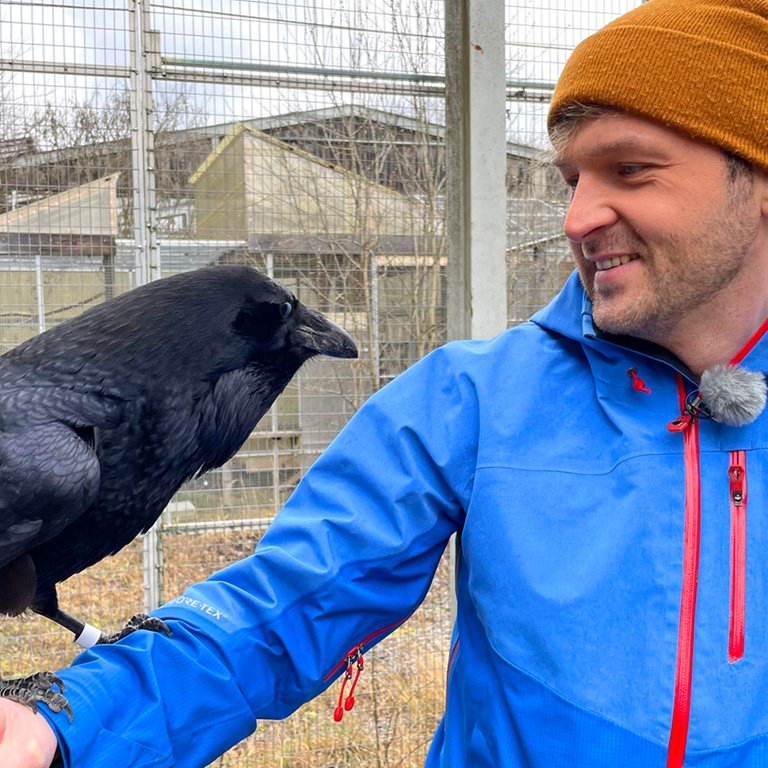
{"points": [[681, 276]]}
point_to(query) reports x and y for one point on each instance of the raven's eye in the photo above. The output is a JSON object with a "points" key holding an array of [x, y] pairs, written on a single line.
{"points": [[286, 309]]}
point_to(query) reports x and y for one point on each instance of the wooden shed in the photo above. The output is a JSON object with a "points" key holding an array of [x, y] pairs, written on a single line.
{"points": [[57, 257]]}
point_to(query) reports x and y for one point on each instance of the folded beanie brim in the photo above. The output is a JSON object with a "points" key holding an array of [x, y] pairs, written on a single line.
{"points": [[709, 86]]}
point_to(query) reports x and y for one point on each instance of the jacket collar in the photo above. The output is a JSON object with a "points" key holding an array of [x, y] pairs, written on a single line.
{"points": [[570, 314]]}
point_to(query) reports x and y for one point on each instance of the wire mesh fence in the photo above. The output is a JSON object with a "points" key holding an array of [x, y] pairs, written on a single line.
{"points": [[306, 138]]}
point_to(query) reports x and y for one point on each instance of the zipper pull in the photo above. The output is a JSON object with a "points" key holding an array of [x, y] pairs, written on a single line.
{"points": [[694, 409], [737, 473], [355, 664], [681, 423]]}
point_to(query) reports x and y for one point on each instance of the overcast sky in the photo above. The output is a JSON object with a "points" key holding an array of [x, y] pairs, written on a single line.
{"points": [[391, 36]]}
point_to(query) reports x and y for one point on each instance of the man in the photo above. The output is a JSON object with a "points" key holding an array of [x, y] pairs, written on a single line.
{"points": [[611, 572]]}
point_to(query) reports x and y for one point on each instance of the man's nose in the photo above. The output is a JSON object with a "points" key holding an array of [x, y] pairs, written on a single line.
{"points": [[591, 209]]}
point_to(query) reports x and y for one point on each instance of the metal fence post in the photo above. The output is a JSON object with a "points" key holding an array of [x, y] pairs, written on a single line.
{"points": [[475, 156], [475, 205], [143, 44]]}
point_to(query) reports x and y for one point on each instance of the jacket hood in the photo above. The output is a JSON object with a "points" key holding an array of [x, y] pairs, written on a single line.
{"points": [[569, 313]]}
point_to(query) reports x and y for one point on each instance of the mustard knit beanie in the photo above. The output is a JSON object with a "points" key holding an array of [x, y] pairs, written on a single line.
{"points": [[700, 66]]}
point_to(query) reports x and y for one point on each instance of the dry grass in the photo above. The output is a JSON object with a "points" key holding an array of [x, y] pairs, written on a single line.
{"points": [[399, 699]]}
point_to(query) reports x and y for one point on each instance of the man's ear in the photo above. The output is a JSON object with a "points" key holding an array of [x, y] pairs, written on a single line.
{"points": [[761, 188]]}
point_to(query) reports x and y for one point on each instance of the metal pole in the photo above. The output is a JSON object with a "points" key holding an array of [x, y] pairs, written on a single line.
{"points": [[476, 166], [274, 423], [146, 248], [373, 271], [475, 134], [40, 292], [143, 49]]}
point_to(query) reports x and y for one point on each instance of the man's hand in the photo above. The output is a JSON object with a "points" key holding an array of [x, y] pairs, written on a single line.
{"points": [[26, 739]]}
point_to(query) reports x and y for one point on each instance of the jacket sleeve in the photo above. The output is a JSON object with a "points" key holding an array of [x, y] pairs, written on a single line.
{"points": [[348, 558]]}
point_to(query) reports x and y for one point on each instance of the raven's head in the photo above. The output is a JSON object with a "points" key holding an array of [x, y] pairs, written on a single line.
{"points": [[275, 322], [269, 334]]}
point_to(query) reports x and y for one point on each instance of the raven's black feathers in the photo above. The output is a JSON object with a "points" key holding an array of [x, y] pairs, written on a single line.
{"points": [[103, 417]]}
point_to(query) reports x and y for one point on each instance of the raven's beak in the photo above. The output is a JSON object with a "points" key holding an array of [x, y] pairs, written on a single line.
{"points": [[317, 333]]}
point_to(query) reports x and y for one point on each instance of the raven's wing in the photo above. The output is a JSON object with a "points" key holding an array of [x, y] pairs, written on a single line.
{"points": [[25, 404], [49, 471], [49, 475]]}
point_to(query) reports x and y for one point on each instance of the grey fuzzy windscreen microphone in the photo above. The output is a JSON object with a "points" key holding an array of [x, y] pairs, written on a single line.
{"points": [[733, 395]]}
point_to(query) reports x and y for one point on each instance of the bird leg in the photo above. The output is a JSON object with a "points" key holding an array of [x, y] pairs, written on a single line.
{"points": [[87, 635], [37, 688], [139, 621], [41, 687]]}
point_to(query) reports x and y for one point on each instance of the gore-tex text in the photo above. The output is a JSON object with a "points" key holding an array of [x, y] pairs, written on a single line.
{"points": [[209, 610]]}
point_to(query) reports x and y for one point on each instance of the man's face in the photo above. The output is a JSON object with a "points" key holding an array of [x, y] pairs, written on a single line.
{"points": [[663, 236]]}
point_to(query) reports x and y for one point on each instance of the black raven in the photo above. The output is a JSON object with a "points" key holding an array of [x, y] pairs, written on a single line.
{"points": [[103, 417]]}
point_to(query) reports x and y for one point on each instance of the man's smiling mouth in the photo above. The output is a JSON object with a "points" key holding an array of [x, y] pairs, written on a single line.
{"points": [[614, 261]]}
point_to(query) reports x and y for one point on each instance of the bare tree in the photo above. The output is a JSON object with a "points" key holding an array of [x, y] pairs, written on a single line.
{"points": [[398, 273], [82, 140]]}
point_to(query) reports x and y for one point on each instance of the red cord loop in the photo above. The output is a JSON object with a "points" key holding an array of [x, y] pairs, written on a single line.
{"points": [[637, 382], [355, 664]]}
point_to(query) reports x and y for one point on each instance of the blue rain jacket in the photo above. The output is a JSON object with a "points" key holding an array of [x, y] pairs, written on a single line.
{"points": [[611, 586]]}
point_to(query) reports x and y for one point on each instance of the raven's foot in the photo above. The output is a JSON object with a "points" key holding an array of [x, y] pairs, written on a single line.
{"points": [[139, 621], [37, 688]]}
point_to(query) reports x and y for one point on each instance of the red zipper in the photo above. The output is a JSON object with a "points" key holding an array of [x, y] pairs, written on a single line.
{"points": [[687, 423], [737, 474], [681, 708], [451, 659], [354, 663]]}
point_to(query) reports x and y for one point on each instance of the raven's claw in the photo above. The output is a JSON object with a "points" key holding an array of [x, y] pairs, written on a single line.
{"points": [[139, 621], [37, 688]]}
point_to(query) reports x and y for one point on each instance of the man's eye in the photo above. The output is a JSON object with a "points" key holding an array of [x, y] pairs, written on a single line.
{"points": [[632, 170]]}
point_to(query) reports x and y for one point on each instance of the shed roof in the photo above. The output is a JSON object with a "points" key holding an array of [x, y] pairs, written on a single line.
{"points": [[90, 209], [255, 184]]}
